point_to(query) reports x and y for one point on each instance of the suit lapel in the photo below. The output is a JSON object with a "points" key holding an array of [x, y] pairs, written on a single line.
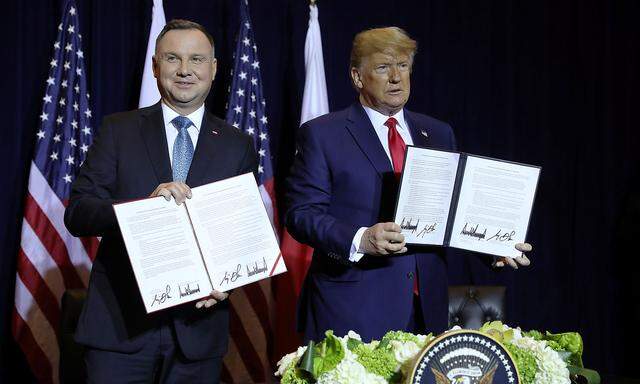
{"points": [[208, 158], [419, 135], [155, 140], [362, 130]]}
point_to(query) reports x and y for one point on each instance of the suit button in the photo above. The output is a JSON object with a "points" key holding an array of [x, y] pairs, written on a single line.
{"points": [[410, 275]]}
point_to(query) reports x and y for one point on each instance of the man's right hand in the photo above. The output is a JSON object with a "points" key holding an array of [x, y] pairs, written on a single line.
{"points": [[383, 239], [179, 190]]}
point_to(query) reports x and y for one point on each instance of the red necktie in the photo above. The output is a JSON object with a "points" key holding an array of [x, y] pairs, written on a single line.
{"points": [[396, 148]]}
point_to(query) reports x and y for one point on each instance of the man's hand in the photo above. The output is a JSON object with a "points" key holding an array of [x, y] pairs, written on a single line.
{"points": [[214, 297], [179, 190], [383, 239], [522, 260]]}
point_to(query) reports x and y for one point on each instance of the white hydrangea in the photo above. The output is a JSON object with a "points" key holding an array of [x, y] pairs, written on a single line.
{"points": [[353, 335], [404, 352], [551, 368], [422, 340], [289, 359], [350, 371]]}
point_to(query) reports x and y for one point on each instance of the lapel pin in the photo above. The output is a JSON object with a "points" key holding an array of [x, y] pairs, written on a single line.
{"points": [[424, 133], [214, 132]]}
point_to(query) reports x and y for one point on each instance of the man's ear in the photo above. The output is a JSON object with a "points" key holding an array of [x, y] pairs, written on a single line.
{"points": [[356, 78], [214, 68], [154, 66]]}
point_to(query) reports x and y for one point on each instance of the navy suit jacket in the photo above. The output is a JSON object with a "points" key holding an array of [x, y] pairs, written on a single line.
{"points": [[127, 161], [342, 180]]}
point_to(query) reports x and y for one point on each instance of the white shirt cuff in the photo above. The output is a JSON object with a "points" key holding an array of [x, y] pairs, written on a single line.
{"points": [[354, 255]]}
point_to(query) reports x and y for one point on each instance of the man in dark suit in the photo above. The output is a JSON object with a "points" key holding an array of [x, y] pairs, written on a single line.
{"points": [[341, 195], [162, 150]]}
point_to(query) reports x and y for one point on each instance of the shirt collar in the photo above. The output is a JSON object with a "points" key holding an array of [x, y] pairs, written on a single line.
{"points": [[196, 116], [378, 119]]}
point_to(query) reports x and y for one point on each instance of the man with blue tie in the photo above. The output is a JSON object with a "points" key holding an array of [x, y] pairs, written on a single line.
{"points": [[341, 195], [162, 150]]}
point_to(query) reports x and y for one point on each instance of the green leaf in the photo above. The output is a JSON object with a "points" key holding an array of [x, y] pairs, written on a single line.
{"points": [[353, 343], [570, 342], [383, 344], [590, 375], [327, 354], [306, 360]]}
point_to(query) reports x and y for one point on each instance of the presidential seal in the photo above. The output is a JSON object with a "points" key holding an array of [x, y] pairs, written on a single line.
{"points": [[464, 357]]}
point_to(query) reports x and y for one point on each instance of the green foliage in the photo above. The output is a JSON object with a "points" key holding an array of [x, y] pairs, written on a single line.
{"points": [[525, 362], [537, 335], [403, 337], [379, 360], [570, 342], [498, 331], [353, 343], [591, 376], [327, 354], [399, 336], [294, 375]]}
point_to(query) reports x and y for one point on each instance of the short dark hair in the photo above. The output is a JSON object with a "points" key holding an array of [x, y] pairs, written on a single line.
{"points": [[181, 24]]}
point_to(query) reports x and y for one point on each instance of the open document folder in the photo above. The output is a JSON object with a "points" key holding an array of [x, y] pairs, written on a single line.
{"points": [[465, 201], [219, 239]]}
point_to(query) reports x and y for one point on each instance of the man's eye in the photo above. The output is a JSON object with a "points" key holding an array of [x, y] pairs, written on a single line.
{"points": [[381, 68], [197, 60], [171, 59]]}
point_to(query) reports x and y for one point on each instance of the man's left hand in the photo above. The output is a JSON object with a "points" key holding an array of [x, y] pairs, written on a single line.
{"points": [[514, 262], [214, 298]]}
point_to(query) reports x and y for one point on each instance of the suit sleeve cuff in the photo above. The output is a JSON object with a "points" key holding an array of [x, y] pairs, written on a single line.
{"points": [[354, 254]]}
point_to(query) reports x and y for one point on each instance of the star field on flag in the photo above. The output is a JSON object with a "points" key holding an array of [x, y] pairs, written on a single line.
{"points": [[65, 132]]}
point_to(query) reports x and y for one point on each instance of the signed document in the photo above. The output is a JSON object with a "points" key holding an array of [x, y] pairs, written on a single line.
{"points": [[219, 239], [465, 201]]}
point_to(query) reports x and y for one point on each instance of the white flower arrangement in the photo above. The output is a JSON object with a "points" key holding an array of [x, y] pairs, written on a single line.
{"points": [[346, 360], [551, 368], [358, 362]]}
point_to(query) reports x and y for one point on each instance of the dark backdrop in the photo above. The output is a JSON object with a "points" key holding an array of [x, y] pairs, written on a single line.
{"points": [[552, 83]]}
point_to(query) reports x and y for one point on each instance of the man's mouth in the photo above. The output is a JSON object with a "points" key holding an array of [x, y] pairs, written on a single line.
{"points": [[183, 84]]}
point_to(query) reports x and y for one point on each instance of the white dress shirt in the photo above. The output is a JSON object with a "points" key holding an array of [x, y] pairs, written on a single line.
{"points": [[382, 131], [172, 132]]}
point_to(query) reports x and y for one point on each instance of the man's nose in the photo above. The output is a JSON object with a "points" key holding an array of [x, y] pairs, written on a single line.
{"points": [[183, 69], [394, 75]]}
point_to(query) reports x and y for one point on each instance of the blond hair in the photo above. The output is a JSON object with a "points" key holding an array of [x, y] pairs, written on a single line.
{"points": [[389, 39]]}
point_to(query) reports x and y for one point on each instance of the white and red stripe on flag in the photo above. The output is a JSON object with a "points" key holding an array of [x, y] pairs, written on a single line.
{"points": [[50, 259], [250, 357]]}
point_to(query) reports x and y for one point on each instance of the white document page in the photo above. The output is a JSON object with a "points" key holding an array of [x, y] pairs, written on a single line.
{"points": [[163, 252], [425, 195], [235, 235], [494, 206]]}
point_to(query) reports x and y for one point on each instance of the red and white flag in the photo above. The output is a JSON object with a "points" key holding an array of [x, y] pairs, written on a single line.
{"points": [[297, 256], [149, 93], [249, 359], [50, 259]]}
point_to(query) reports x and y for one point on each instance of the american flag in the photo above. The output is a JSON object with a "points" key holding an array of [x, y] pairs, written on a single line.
{"points": [[50, 259], [251, 343]]}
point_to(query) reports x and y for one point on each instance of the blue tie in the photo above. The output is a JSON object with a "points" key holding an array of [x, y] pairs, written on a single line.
{"points": [[182, 149]]}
